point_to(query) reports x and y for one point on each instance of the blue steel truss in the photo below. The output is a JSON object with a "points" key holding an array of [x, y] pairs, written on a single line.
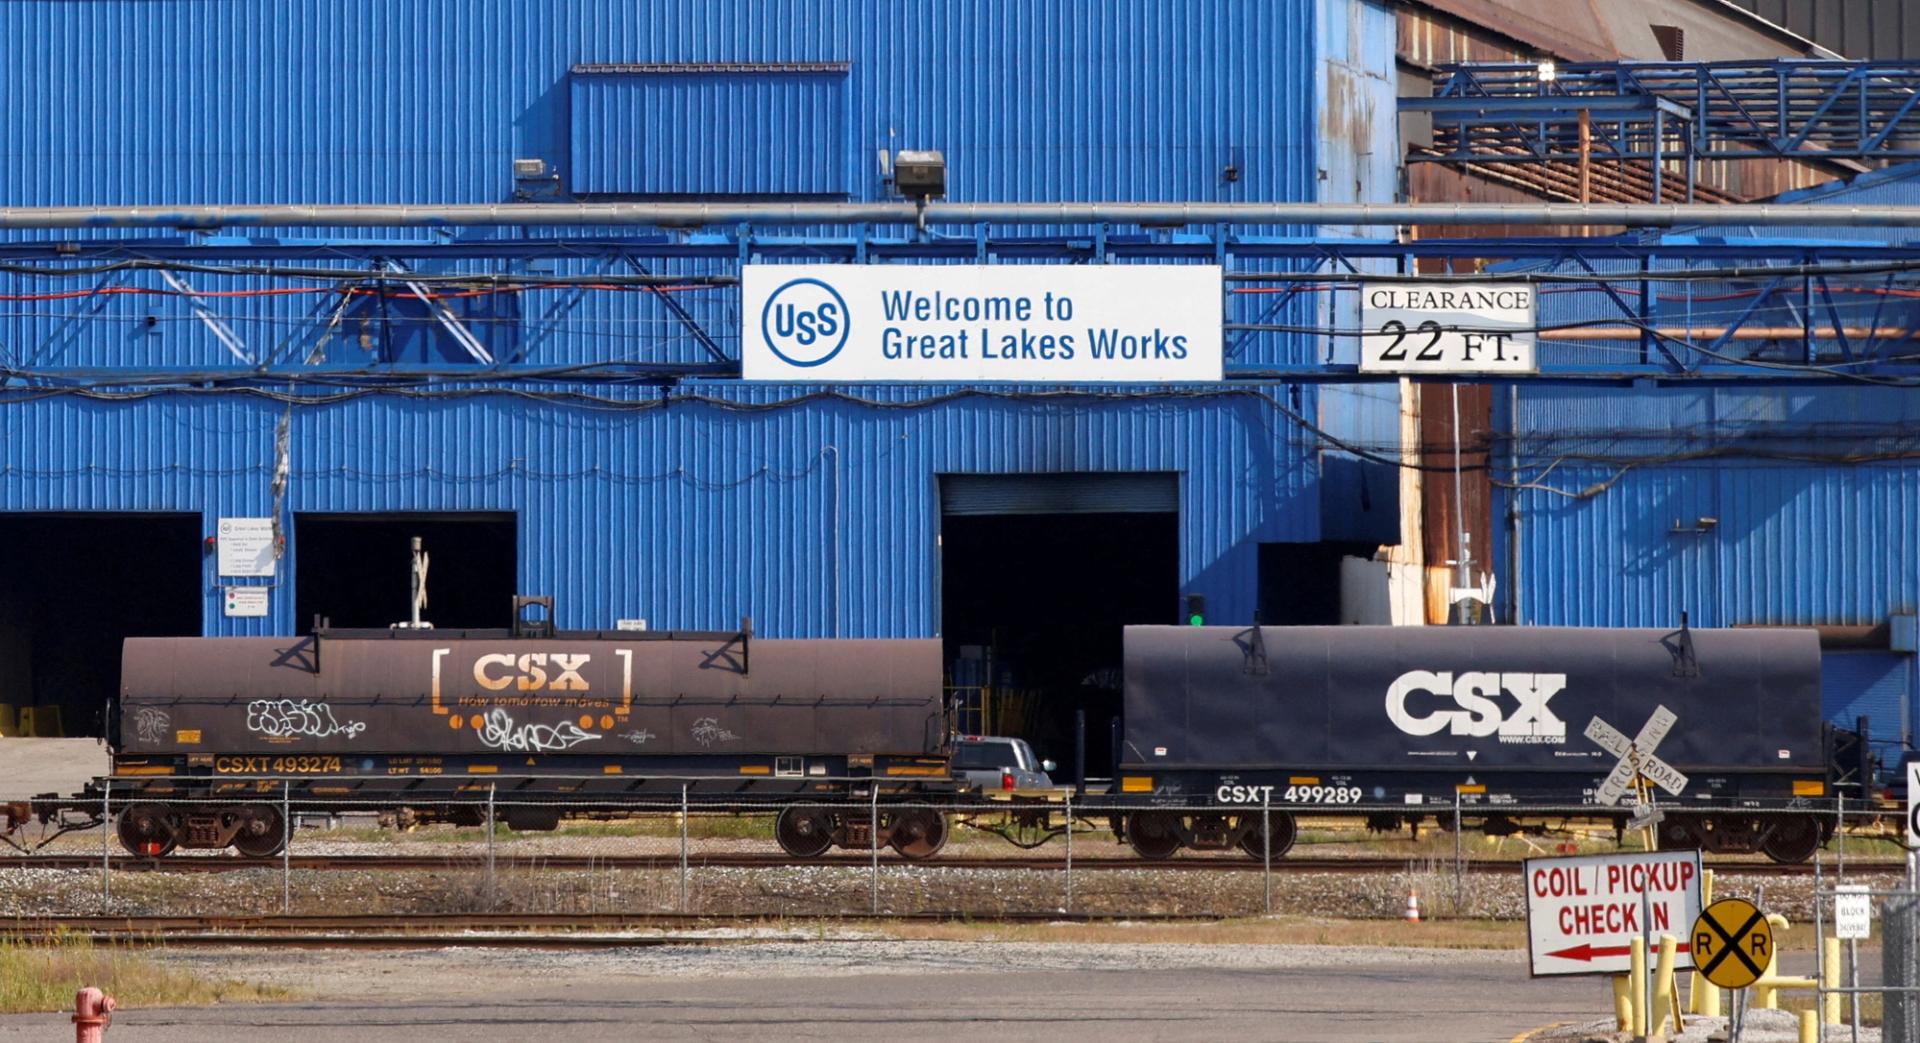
{"points": [[214, 311], [1651, 112]]}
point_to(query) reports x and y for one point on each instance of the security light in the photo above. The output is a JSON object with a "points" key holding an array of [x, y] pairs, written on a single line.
{"points": [[920, 176]]}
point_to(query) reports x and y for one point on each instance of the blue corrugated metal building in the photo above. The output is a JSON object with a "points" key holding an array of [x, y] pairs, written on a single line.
{"points": [[1736, 506], [689, 504]]}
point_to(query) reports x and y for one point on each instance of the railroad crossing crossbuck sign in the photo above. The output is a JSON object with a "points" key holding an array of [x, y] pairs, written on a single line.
{"points": [[1636, 757], [1732, 943]]}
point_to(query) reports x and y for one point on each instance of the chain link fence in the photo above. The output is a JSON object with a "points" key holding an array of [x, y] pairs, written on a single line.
{"points": [[488, 851]]}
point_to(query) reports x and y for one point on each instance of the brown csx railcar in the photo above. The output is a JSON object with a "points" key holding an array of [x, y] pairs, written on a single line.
{"points": [[551, 722]]}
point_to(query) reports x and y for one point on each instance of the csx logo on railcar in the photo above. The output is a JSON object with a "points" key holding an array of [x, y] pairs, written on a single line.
{"points": [[531, 672], [1475, 693]]}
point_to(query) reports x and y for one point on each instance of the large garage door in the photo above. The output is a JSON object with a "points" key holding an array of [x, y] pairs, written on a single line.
{"points": [[1142, 493], [1874, 685]]}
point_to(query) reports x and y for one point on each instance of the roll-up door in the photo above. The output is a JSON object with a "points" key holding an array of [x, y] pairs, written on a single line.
{"points": [[1873, 685], [1133, 493]]}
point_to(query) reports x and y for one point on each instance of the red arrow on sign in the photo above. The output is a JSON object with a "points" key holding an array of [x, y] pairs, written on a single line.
{"points": [[1587, 953]]}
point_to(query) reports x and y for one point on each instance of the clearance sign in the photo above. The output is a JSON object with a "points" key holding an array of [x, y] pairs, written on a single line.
{"points": [[1107, 324], [1583, 913]]}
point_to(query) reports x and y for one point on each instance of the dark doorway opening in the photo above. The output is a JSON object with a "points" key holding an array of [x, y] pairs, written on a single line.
{"points": [[73, 589], [1033, 605], [356, 570], [1300, 582]]}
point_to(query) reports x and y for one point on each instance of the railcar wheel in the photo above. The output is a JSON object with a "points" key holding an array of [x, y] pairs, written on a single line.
{"points": [[1153, 834], [804, 832], [1680, 832], [918, 834], [147, 829], [261, 834], [1285, 831], [1792, 839]]}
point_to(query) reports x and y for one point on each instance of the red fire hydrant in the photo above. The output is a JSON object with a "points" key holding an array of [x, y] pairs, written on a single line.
{"points": [[92, 1013]]}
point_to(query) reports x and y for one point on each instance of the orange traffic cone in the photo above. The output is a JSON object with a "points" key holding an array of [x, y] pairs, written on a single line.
{"points": [[1413, 907]]}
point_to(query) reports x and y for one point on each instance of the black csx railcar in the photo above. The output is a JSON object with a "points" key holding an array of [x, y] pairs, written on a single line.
{"points": [[1224, 728], [1400, 722]]}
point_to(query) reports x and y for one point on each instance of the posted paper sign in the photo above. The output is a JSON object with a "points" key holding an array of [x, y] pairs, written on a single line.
{"points": [[245, 547], [966, 324]]}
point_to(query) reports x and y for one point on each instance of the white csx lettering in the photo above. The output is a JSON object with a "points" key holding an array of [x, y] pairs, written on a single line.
{"points": [[1479, 714], [530, 671]]}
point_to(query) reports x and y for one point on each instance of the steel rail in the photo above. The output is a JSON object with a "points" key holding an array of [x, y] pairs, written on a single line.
{"points": [[1184, 863], [698, 215]]}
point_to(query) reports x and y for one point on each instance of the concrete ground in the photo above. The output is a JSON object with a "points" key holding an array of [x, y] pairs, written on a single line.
{"points": [[872, 991], [29, 767]]}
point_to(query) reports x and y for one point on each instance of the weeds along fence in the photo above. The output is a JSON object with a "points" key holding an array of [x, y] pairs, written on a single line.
{"points": [[673, 854]]}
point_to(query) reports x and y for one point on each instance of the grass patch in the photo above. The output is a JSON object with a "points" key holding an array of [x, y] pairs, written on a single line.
{"points": [[43, 975]]}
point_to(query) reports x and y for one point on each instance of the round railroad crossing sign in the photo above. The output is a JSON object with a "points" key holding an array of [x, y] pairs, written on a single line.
{"points": [[1732, 943]]}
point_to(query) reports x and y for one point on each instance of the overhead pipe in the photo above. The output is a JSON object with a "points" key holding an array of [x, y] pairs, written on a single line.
{"points": [[695, 215]]}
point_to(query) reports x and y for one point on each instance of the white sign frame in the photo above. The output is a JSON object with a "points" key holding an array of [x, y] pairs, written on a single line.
{"points": [[1413, 327], [244, 548], [1913, 805], [982, 323], [1600, 886]]}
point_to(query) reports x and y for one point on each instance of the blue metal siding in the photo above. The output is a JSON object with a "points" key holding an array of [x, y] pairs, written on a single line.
{"points": [[697, 132], [340, 101], [688, 514], [1874, 685], [1794, 540]]}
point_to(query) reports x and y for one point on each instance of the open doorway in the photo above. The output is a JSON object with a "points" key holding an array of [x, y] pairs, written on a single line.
{"points": [[1033, 603], [356, 570], [74, 587]]}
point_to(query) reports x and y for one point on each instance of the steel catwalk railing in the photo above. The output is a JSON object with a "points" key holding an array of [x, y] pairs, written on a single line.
{"points": [[1169, 214]]}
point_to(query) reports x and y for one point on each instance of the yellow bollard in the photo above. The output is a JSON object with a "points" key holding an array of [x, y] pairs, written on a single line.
{"points": [[1662, 984], [1830, 977], [1766, 994], [1704, 997], [1622, 1005], [1809, 1027], [1637, 983]]}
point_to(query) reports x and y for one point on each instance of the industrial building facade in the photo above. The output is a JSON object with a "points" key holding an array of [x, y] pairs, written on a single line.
{"points": [[612, 471]]}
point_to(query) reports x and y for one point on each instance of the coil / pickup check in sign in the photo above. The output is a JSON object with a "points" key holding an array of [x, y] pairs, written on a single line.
{"points": [[1447, 327]]}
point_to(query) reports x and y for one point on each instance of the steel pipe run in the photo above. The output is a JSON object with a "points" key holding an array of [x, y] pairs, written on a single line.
{"points": [[694, 215]]}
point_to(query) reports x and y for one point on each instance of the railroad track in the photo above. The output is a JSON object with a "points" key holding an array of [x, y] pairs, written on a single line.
{"points": [[476, 930], [471, 862]]}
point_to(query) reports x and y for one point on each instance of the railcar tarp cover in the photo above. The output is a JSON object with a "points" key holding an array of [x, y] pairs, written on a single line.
{"points": [[1471, 698], [206, 695]]}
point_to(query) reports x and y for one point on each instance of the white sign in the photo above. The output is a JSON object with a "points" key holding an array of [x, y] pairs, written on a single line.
{"points": [[630, 624], [1852, 912], [246, 601], [1584, 912], [1106, 323], [245, 546], [1636, 757], [1447, 327], [1913, 805]]}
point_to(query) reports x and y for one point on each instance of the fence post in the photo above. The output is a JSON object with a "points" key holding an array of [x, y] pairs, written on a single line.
{"points": [[873, 836], [1840, 831], [1266, 851], [493, 892], [1069, 814], [106, 827], [1459, 827], [286, 846], [684, 848]]}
